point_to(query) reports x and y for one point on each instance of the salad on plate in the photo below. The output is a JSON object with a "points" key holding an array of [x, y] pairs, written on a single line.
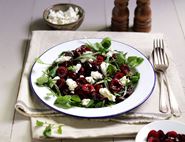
{"points": [[91, 76]]}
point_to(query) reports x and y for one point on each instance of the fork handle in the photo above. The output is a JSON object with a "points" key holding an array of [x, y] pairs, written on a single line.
{"points": [[175, 110], [163, 106]]}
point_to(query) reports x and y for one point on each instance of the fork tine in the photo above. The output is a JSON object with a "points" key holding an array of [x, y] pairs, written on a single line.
{"points": [[155, 56], [161, 51]]}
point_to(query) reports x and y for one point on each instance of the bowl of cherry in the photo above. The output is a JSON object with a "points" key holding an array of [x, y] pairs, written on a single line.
{"points": [[162, 131]]}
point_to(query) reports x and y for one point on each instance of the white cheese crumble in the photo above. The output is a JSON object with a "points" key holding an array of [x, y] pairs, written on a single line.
{"points": [[63, 17], [86, 59], [110, 53], [90, 79], [124, 80], [106, 93], [85, 102], [77, 67], [104, 67], [71, 84], [96, 75], [56, 78], [63, 59]]}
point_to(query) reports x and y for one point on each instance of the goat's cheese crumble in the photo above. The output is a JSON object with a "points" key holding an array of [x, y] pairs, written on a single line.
{"points": [[63, 17]]}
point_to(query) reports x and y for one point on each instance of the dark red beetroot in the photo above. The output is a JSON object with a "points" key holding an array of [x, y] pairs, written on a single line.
{"points": [[115, 85], [62, 72]]}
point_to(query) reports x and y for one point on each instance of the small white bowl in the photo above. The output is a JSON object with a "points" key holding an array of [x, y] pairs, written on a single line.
{"points": [[164, 125], [63, 7]]}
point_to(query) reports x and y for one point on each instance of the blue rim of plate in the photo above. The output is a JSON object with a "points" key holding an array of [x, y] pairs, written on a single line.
{"points": [[96, 117]]}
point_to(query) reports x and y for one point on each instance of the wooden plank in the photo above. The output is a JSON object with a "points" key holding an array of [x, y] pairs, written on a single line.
{"points": [[165, 20], [180, 8], [14, 27]]}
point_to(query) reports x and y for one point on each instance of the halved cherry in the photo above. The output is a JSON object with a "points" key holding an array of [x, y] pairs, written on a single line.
{"points": [[62, 72], [152, 139], [153, 134], [61, 83], [118, 75], [125, 69], [88, 88], [81, 81], [81, 71], [115, 85], [97, 87], [172, 134], [99, 59], [72, 75]]}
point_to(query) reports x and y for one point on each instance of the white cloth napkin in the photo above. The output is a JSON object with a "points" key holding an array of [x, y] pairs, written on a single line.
{"points": [[126, 125]]}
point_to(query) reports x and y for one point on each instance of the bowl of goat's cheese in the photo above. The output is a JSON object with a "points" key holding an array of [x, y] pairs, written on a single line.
{"points": [[64, 16]]}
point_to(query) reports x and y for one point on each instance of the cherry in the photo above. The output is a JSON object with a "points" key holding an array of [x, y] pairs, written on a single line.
{"points": [[97, 87], [125, 69], [151, 139], [161, 134], [61, 83], [81, 71], [118, 75], [153, 134], [72, 75], [84, 48], [66, 63], [99, 59], [81, 81], [115, 85], [62, 72], [172, 134], [88, 88]]}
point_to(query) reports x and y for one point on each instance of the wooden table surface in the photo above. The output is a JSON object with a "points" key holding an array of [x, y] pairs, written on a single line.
{"points": [[18, 18]]}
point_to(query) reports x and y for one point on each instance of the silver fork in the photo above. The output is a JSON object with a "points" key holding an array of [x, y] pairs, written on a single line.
{"points": [[161, 64]]}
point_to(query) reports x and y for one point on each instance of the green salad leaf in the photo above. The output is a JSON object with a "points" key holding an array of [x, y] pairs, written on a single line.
{"points": [[134, 61]]}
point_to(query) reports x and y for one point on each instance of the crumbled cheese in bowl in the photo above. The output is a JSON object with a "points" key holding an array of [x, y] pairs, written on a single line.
{"points": [[63, 17]]}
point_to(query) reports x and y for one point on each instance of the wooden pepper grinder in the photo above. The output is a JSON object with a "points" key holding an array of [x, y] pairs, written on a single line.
{"points": [[142, 19], [120, 16]]}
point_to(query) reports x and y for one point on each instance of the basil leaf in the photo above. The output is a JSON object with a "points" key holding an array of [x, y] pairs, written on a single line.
{"points": [[39, 123], [91, 103], [135, 77], [42, 80], [92, 46], [120, 58], [59, 130], [47, 131], [63, 101], [111, 70], [52, 70], [71, 68], [134, 61], [75, 98], [106, 42]]}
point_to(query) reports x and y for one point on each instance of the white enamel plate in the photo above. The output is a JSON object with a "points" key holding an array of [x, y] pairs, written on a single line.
{"points": [[164, 125], [142, 92]]}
